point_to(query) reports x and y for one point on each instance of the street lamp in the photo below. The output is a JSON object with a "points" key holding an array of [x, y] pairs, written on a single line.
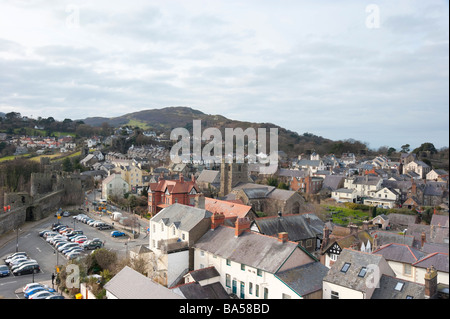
{"points": [[17, 239]]}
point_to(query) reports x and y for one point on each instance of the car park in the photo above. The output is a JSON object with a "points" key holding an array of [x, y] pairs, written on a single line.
{"points": [[26, 269], [4, 271], [117, 233]]}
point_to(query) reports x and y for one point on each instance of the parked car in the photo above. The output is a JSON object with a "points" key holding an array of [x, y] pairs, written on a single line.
{"points": [[92, 244], [31, 292], [26, 269], [66, 214], [14, 260], [73, 255], [104, 226], [55, 296], [4, 271], [41, 295], [69, 249], [11, 257], [65, 246], [117, 233], [78, 237], [43, 232], [31, 286], [8, 258], [22, 264]]}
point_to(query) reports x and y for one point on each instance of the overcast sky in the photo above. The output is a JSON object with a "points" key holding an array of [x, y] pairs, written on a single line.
{"points": [[375, 71]]}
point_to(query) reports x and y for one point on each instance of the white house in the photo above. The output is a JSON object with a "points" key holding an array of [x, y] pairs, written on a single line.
{"points": [[248, 262], [343, 195], [171, 233], [365, 186], [385, 197], [419, 167], [355, 275], [114, 184]]}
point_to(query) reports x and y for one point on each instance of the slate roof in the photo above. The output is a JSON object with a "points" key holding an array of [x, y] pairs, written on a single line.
{"points": [[204, 273], [385, 237], [333, 182], [438, 260], [304, 279], [357, 260], [297, 226], [387, 285], [182, 216], [130, 284], [252, 249], [194, 290], [400, 253], [209, 176]]}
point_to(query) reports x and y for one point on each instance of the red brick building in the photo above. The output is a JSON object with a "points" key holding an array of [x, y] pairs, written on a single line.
{"points": [[167, 192], [307, 185]]}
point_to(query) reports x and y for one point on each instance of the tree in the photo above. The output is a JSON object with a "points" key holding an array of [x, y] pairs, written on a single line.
{"points": [[390, 151], [67, 165], [405, 148]]}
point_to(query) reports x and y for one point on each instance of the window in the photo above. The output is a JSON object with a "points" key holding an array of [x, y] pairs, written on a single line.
{"points": [[243, 267], [285, 296], [345, 268], [228, 262], [257, 290], [250, 288], [362, 272], [308, 243], [266, 293], [334, 295], [227, 280], [407, 269], [399, 286], [333, 257], [259, 272]]}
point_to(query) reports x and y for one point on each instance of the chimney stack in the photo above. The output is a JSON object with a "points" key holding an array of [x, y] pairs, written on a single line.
{"points": [[181, 177], [326, 237], [423, 239], [283, 237], [430, 282], [241, 225], [217, 219]]}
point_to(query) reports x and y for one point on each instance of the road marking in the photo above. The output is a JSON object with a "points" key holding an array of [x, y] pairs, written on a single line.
{"points": [[38, 249]]}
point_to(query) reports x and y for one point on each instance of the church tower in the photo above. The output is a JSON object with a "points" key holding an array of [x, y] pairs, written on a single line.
{"points": [[232, 174]]}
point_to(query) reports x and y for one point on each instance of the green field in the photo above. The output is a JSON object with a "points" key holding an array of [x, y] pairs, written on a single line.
{"points": [[343, 216]]}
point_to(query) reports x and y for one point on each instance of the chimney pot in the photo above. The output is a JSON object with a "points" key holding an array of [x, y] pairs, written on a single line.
{"points": [[283, 237]]}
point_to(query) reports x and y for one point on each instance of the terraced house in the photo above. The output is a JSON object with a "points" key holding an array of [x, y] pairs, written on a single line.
{"points": [[255, 266]]}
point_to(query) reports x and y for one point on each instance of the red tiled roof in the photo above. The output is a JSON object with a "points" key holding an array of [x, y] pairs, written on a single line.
{"points": [[229, 209]]}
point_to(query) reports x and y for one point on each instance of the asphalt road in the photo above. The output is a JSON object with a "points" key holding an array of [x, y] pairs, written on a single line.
{"points": [[37, 248]]}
